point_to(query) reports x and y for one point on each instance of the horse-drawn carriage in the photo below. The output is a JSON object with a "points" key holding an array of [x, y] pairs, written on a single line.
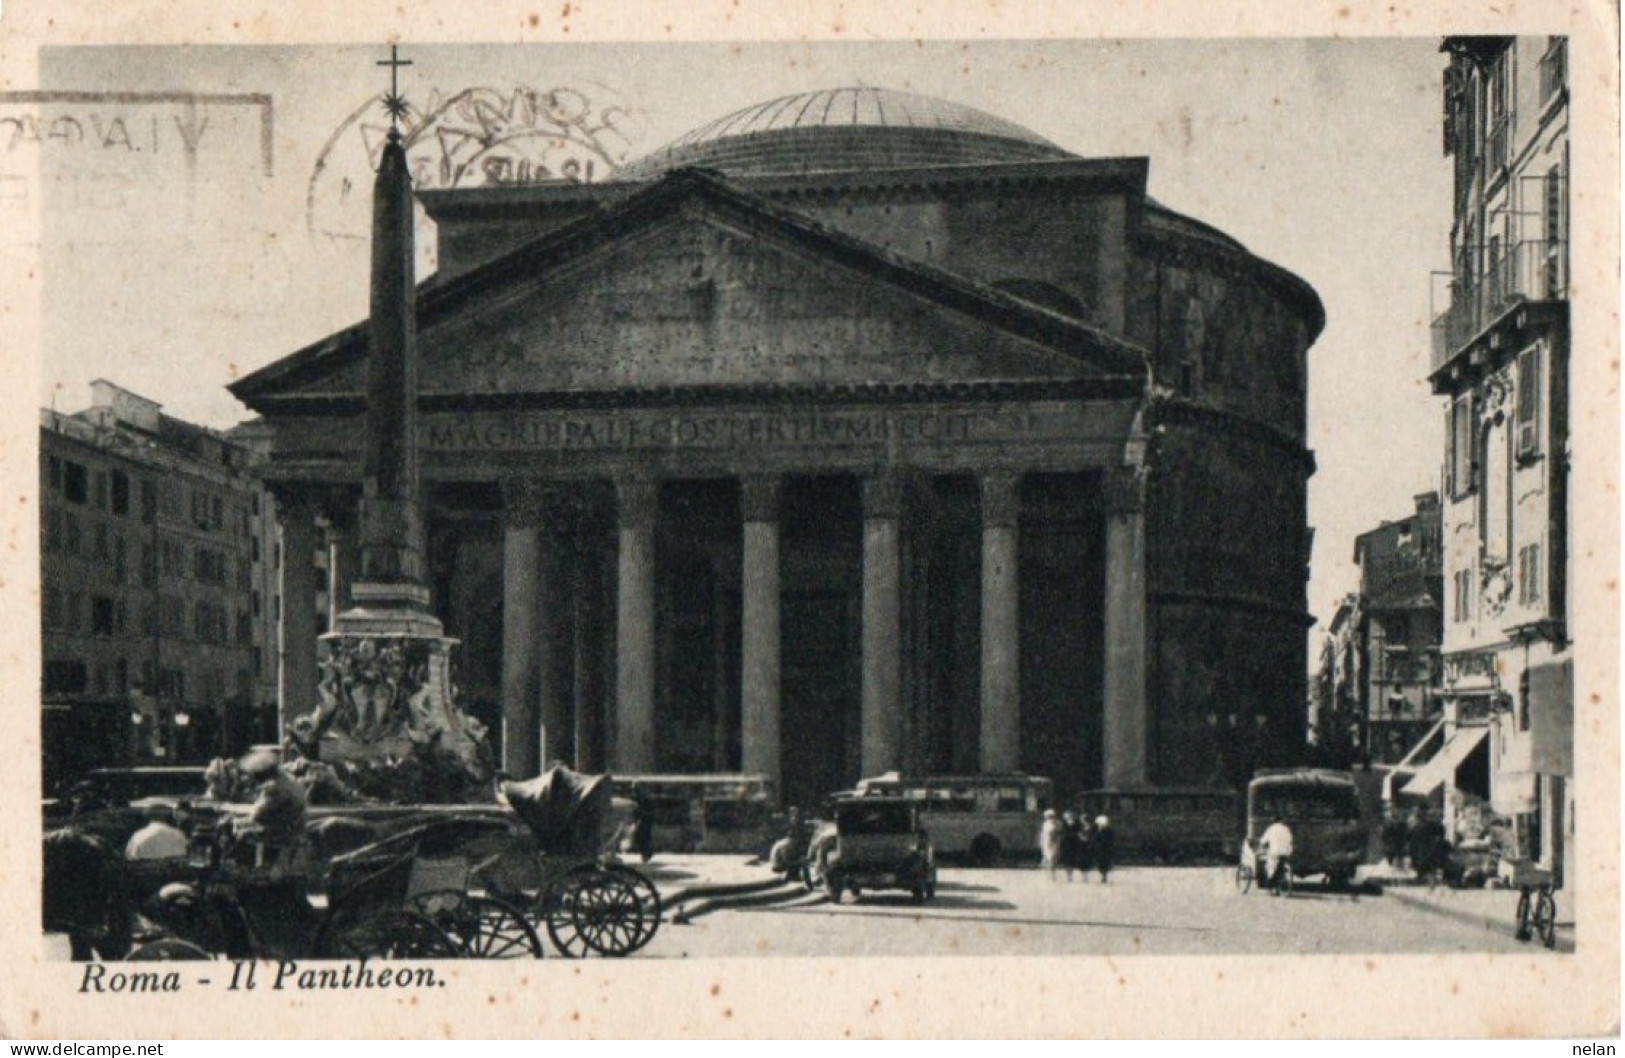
{"points": [[464, 882]]}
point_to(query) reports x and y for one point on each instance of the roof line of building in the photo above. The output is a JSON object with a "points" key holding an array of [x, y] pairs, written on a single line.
{"points": [[1061, 335]]}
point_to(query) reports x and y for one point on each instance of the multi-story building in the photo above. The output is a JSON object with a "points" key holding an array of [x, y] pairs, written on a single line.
{"points": [[1335, 727], [271, 648], [1500, 361], [153, 535], [1401, 584]]}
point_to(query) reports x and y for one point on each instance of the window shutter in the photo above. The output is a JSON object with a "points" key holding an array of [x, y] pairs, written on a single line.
{"points": [[1529, 402]]}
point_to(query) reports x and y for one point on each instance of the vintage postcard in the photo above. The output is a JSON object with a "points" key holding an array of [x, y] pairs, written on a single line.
{"points": [[609, 521]]}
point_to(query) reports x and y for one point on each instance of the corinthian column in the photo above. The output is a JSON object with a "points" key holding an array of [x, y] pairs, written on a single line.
{"points": [[882, 723], [1001, 626], [1127, 715], [759, 729], [634, 628], [521, 571]]}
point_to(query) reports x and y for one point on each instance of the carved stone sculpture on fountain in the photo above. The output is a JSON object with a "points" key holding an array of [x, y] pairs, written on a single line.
{"points": [[386, 691]]}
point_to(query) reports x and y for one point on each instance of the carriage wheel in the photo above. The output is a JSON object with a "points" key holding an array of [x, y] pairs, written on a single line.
{"points": [[397, 933], [1546, 919], [555, 905], [168, 949], [482, 927], [648, 898], [610, 915]]}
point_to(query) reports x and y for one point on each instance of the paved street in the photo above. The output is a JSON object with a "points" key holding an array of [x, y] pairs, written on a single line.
{"points": [[1155, 911], [1150, 911]]}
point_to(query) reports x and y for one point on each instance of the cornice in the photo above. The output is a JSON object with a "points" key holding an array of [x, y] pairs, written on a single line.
{"points": [[1108, 387], [1177, 411]]}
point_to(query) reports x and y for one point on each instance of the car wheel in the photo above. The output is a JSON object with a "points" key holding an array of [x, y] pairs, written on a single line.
{"points": [[832, 888], [985, 850]]}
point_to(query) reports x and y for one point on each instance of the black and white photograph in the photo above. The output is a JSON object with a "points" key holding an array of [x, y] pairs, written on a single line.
{"points": [[1047, 505]]}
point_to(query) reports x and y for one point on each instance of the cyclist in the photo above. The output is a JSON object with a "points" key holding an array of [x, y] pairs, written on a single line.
{"points": [[1276, 847]]}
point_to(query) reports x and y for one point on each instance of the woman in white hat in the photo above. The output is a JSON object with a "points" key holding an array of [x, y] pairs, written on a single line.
{"points": [[1049, 841]]}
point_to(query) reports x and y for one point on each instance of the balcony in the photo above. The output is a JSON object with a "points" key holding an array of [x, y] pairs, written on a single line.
{"points": [[1534, 270]]}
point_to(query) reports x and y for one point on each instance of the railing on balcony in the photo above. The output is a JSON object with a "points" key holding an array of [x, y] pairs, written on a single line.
{"points": [[1534, 270]]}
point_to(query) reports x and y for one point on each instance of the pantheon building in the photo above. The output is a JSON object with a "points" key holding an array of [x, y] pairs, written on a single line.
{"points": [[852, 432]]}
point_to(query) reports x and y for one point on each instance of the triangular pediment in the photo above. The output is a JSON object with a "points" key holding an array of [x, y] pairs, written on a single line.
{"points": [[695, 286]]}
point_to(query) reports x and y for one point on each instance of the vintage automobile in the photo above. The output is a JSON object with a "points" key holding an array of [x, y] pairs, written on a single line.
{"points": [[1322, 809], [982, 818], [874, 843]]}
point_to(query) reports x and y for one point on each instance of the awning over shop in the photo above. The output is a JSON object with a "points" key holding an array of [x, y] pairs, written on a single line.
{"points": [[1445, 762]]}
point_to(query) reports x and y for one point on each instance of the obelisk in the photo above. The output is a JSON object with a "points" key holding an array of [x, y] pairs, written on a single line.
{"points": [[391, 537], [386, 675]]}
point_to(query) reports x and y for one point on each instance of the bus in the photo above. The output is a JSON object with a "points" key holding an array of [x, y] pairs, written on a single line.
{"points": [[1322, 807], [982, 817], [705, 813], [1169, 824]]}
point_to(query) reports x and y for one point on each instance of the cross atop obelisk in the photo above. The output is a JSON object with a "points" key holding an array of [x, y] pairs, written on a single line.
{"points": [[394, 102]]}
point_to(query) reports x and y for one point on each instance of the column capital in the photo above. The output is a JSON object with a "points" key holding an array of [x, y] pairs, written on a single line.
{"points": [[883, 496], [532, 503], [523, 502], [1125, 490], [1001, 499], [638, 500], [759, 496]]}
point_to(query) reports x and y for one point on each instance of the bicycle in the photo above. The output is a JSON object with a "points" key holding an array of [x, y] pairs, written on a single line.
{"points": [[1248, 870], [1537, 913], [1280, 882]]}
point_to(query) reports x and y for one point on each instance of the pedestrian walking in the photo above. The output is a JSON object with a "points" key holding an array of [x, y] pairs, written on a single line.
{"points": [[1071, 850], [1429, 847], [1083, 841], [1396, 835], [642, 822], [1105, 847], [1049, 841]]}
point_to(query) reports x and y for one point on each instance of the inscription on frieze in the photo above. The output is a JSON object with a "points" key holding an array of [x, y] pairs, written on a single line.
{"points": [[787, 429]]}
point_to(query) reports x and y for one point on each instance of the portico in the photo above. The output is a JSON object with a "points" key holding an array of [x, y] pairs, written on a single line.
{"points": [[813, 616]]}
